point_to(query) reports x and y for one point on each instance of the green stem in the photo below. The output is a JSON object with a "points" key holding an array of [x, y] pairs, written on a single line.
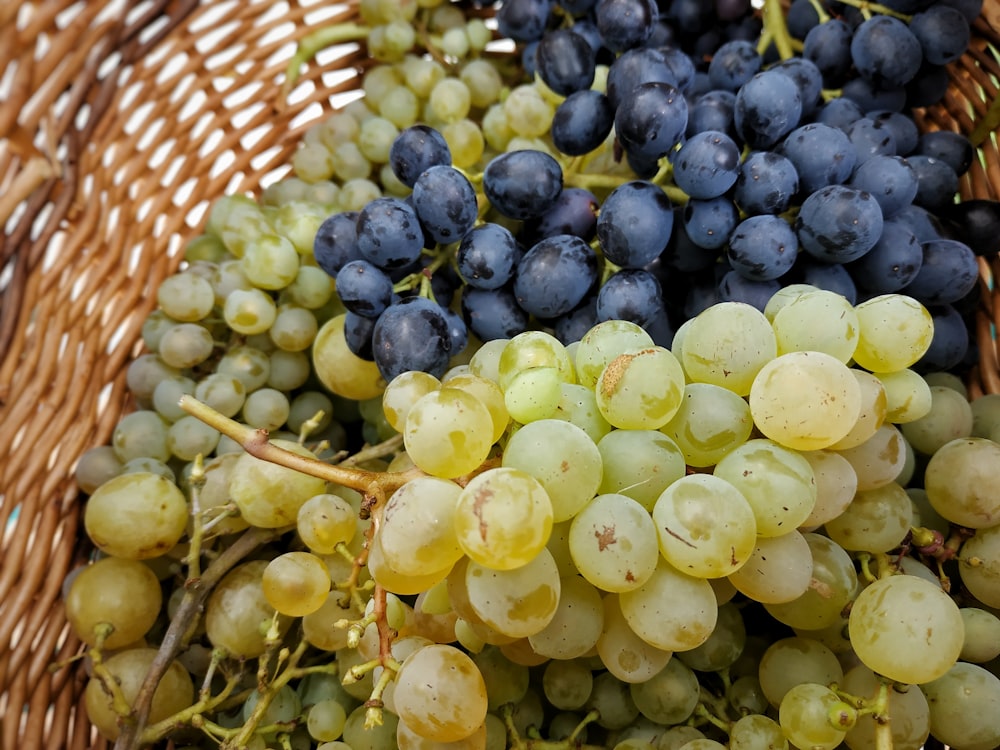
{"points": [[987, 125], [774, 24], [317, 41], [867, 7]]}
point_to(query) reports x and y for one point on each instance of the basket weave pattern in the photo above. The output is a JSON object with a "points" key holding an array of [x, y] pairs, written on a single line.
{"points": [[119, 123]]}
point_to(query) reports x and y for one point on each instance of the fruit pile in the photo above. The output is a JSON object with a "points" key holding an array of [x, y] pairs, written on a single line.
{"points": [[599, 394]]}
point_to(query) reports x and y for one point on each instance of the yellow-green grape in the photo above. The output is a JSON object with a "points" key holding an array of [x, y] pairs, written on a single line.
{"points": [[449, 100], [349, 164], [534, 349], [237, 614], [402, 392], [778, 483], [627, 656], [185, 297], [288, 370], [876, 520], [778, 570], [270, 262], [455, 42], [376, 137], [668, 697], [141, 434], [518, 602], [533, 394], [185, 345], [249, 311], [298, 221], [484, 82], [788, 662], [440, 694], [907, 394], [422, 74], [910, 721], [294, 328], [324, 521], [818, 321], [137, 516], [821, 604], [503, 518], [724, 646], [407, 739], [214, 495], [312, 287], [710, 422], [341, 370], [153, 328], [247, 364], [312, 163], [613, 543], [672, 610], [124, 594], [296, 583], [612, 702], [563, 458], [640, 464], [418, 527], [144, 374], [906, 629], [235, 219], [577, 624], [949, 418], [964, 705], [804, 716], [319, 628], [269, 495], [871, 415], [641, 389], [896, 331], [805, 400], [189, 437], [982, 635], [400, 106], [306, 407], [705, 526], [496, 127], [465, 141], [960, 482], [677, 737], [96, 466], [266, 409], [448, 433], [567, 683], [578, 405], [528, 113], [325, 720], [489, 393], [785, 296], [394, 581], [222, 392], [603, 343], [879, 459], [727, 345], [128, 669], [756, 732]]}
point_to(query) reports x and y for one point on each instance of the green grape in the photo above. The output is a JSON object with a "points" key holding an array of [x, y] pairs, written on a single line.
{"points": [[528, 113], [879, 460], [603, 343], [418, 531], [448, 432], [124, 594], [141, 434], [519, 602], [907, 394], [982, 635], [533, 349], [376, 137], [189, 437], [145, 372], [727, 345], [778, 484], [455, 42], [287, 371], [396, 582], [489, 393], [641, 389], [496, 127], [796, 661], [421, 75], [821, 604], [533, 394], [818, 321], [440, 694], [672, 611], [348, 163], [872, 414], [668, 697], [677, 737], [705, 526], [449, 100], [150, 465], [269, 495], [185, 297], [577, 624], [613, 701], [380, 737], [234, 219], [979, 565], [804, 717], [711, 422], [506, 682], [294, 328], [403, 392], [755, 732], [322, 686], [876, 520], [567, 683], [563, 458], [949, 418], [298, 221], [319, 627], [925, 512], [306, 407], [625, 655], [805, 400], [484, 82], [836, 483], [896, 331], [283, 707], [640, 464], [266, 409], [214, 495], [746, 695], [339, 369], [986, 416], [168, 392], [909, 716], [407, 739], [238, 614], [964, 707], [778, 570], [325, 720], [249, 311], [204, 248], [186, 345], [886, 618], [312, 163], [312, 287], [959, 482], [96, 466], [136, 516], [174, 693], [296, 583], [400, 106], [229, 277], [578, 405], [271, 261], [785, 296], [723, 646], [632, 743], [153, 327], [613, 543], [222, 392]]}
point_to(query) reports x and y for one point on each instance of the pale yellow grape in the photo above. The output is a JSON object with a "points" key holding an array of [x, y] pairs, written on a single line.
{"points": [[465, 141], [805, 400], [613, 543], [711, 422], [506, 681], [298, 221], [788, 662], [778, 483], [141, 434], [724, 646], [705, 526], [804, 717], [577, 624], [819, 321], [448, 433], [266, 409], [418, 527], [400, 106], [641, 389], [136, 516], [402, 392], [483, 80], [896, 331], [479, 34], [249, 365], [534, 349], [578, 405], [909, 714], [296, 583], [325, 720], [528, 113], [341, 370], [627, 656], [876, 520], [189, 437], [124, 594], [348, 164], [872, 414], [836, 483], [603, 343], [778, 570], [294, 328], [906, 629], [821, 604], [671, 610], [489, 393], [455, 42], [961, 482], [878, 460], [518, 602], [727, 345], [533, 394], [394, 581], [669, 696], [185, 297], [567, 683], [964, 707], [270, 262], [756, 732], [313, 163], [563, 458], [982, 635], [319, 627], [949, 418], [324, 521], [640, 464], [496, 127], [407, 739], [449, 100], [237, 614], [357, 193], [269, 495], [502, 518]]}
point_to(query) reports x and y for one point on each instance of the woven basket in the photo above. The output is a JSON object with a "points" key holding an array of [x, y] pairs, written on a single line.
{"points": [[119, 126]]}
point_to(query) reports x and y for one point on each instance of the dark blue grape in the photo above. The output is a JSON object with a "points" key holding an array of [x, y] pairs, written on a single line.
{"points": [[904, 129], [565, 61], [586, 28], [831, 277], [336, 242], [869, 96], [522, 184], [828, 46], [636, 66], [928, 86], [445, 202], [870, 139], [577, 7], [389, 233], [839, 113], [701, 295], [634, 224], [800, 18], [885, 51], [709, 223], [365, 289], [411, 335], [682, 253], [573, 325], [358, 332], [582, 122], [807, 77], [766, 183], [925, 225], [458, 331], [682, 66], [712, 111], [943, 34], [706, 165], [660, 329], [736, 287], [762, 248], [493, 313], [631, 294], [700, 85], [937, 182], [768, 106], [416, 149], [555, 275], [651, 120], [523, 20], [822, 156], [892, 263], [977, 224], [970, 9], [838, 224], [625, 23], [954, 149], [949, 272], [949, 344], [529, 59], [890, 180], [733, 64], [487, 256], [574, 212]]}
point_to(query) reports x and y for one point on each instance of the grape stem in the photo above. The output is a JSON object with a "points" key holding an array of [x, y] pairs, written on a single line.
{"points": [[517, 742], [868, 8], [312, 44], [776, 28]]}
